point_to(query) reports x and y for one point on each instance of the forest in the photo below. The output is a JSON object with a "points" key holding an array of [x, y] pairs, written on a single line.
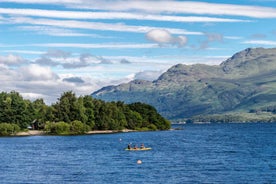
{"points": [[75, 115]]}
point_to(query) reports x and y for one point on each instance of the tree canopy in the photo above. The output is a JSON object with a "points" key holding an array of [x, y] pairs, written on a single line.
{"points": [[76, 115]]}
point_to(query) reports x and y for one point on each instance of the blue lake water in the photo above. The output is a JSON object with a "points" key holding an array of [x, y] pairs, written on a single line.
{"points": [[207, 153]]}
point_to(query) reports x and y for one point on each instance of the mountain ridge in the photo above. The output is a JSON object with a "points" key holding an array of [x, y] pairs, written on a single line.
{"points": [[245, 81]]}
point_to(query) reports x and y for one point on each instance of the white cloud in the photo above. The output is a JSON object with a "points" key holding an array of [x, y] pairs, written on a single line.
{"points": [[11, 60], [93, 25], [260, 42], [44, 1], [181, 40], [163, 37], [35, 81], [61, 58], [159, 36], [57, 53], [105, 45], [6, 75], [23, 52], [68, 62], [169, 6], [56, 31], [35, 72], [72, 63], [149, 75], [164, 6], [32, 96], [233, 37], [111, 15]]}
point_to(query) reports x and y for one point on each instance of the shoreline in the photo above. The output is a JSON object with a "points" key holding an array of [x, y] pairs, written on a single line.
{"points": [[30, 133], [109, 131], [40, 132]]}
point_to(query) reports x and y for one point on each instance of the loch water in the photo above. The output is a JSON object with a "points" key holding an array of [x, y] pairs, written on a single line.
{"points": [[197, 153]]}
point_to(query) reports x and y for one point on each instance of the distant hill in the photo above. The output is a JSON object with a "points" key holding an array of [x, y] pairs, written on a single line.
{"points": [[243, 83]]}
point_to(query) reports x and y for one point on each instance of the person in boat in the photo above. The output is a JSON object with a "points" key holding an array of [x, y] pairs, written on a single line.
{"points": [[135, 147], [142, 146], [128, 146]]}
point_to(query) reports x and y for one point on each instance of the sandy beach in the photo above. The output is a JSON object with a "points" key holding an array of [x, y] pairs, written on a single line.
{"points": [[109, 131], [31, 133], [39, 132]]}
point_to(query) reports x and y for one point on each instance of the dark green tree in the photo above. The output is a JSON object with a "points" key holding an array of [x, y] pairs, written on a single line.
{"points": [[80, 110], [14, 109], [66, 107], [89, 110], [134, 120], [77, 127], [150, 115], [80, 114], [40, 110]]}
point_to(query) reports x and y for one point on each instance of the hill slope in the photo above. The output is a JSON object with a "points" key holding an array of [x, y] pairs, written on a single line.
{"points": [[243, 82]]}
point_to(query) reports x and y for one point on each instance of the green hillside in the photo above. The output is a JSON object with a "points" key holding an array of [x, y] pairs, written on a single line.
{"points": [[244, 83]]}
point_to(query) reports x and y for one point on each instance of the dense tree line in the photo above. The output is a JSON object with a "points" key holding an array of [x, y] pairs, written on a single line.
{"points": [[76, 115], [230, 118], [271, 109]]}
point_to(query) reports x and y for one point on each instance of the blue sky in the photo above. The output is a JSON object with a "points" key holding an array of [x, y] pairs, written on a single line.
{"points": [[51, 46]]}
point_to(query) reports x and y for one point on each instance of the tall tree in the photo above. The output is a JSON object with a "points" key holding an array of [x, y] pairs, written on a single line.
{"points": [[66, 109], [89, 110], [80, 110]]}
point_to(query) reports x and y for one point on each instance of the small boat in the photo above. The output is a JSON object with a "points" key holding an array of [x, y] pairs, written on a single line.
{"points": [[138, 149]]}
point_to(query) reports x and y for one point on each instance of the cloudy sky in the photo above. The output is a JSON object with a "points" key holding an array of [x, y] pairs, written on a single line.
{"points": [[51, 46]]}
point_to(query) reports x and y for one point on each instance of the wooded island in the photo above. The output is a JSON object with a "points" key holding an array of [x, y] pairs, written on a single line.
{"points": [[72, 115]]}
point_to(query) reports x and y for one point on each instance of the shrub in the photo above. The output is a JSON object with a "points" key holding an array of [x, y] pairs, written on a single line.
{"points": [[152, 127], [59, 128], [77, 127], [8, 129]]}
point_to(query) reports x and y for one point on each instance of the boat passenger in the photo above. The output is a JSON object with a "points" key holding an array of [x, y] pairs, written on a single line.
{"points": [[128, 146], [142, 146]]}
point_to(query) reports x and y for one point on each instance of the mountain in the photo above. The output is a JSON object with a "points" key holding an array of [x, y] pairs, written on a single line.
{"points": [[242, 83]]}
